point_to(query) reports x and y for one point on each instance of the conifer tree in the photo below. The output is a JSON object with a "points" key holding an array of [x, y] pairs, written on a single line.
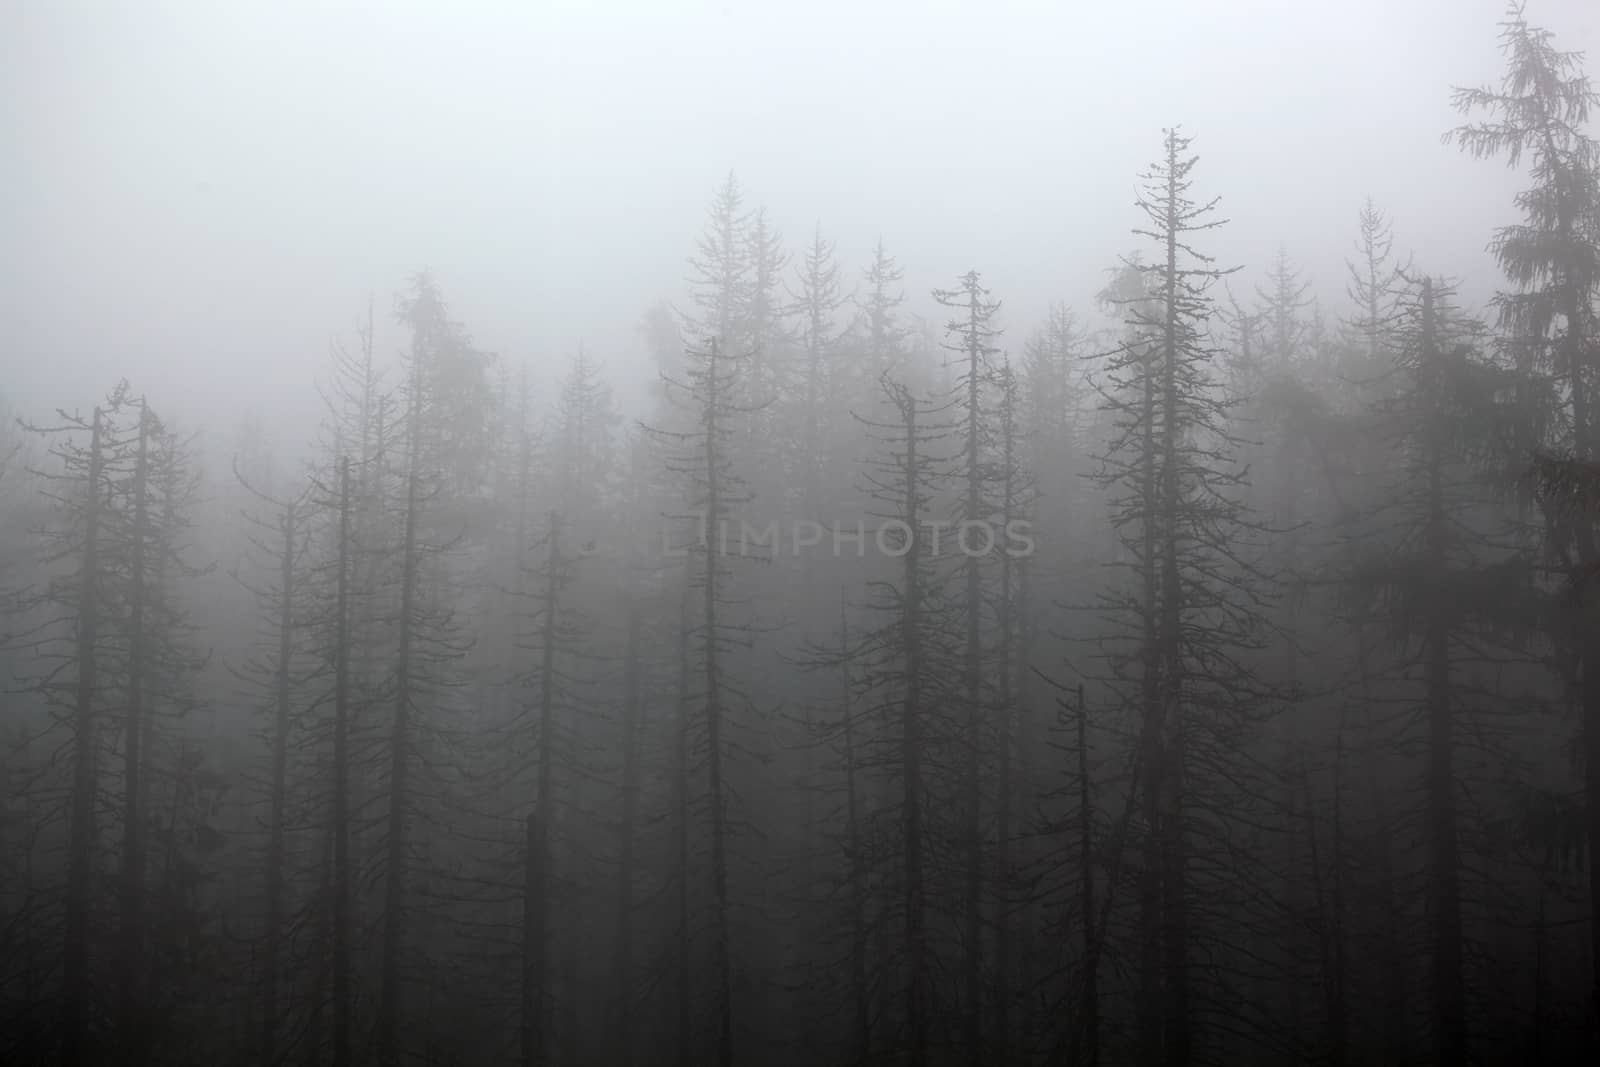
{"points": [[281, 540], [112, 641], [1541, 109], [1192, 608], [445, 391], [1014, 493], [79, 537], [1434, 581], [970, 336], [1279, 308], [901, 674], [879, 331], [348, 589], [1374, 278], [764, 330], [702, 456], [721, 270], [818, 300]]}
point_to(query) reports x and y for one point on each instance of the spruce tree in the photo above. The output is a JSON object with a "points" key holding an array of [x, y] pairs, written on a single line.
{"points": [[1191, 611]]}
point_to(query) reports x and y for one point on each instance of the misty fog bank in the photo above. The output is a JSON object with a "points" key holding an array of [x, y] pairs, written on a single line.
{"points": [[613, 536], [211, 191]]}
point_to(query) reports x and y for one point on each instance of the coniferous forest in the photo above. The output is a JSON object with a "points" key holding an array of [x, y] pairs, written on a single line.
{"points": [[1208, 673]]}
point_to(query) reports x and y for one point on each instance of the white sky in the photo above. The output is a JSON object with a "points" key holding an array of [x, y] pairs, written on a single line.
{"points": [[198, 195]]}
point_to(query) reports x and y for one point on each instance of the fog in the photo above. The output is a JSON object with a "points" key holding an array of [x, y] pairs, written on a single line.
{"points": [[878, 534], [209, 191]]}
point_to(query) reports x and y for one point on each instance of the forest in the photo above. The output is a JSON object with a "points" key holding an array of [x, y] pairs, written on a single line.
{"points": [[1210, 675]]}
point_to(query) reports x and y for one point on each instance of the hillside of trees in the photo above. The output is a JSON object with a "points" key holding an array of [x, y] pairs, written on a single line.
{"points": [[1209, 676]]}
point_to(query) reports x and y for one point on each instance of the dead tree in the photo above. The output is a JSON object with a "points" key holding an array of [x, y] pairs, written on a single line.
{"points": [[970, 336]]}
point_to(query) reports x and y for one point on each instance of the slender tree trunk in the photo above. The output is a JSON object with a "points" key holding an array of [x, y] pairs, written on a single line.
{"points": [[1152, 709], [1089, 991], [972, 682], [573, 1015], [1449, 996], [1005, 626], [683, 998], [722, 974], [390, 995], [1391, 1023], [915, 948], [314, 1046], [860, 992], [1330, 907], [341, 881], [533, 955], [76, 1010], [279, 792], [131, 1018], [1583, 431], [1444, 868], [367, 637], [623, 988], [1338, 966], [1174, 867], [537, 975], [1175, 938], [1291, 895]]}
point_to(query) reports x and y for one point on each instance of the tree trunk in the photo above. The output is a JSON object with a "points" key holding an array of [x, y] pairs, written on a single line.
{"points": [[341, 881], [683, 996], [131, 1019], [915, 948], [1152, 709], [1589, 622], [537, 975], [860, 992], [390, 995], [533, 944], [1005, 653], [972, 684], [76, 1010], [1089, 992], [1444, 867], [1175, 905], [623, 981], [279, 793], [721, 964]]}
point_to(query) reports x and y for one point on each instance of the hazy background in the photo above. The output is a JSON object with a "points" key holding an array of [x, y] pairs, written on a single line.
{"points": [[199, 195]]}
